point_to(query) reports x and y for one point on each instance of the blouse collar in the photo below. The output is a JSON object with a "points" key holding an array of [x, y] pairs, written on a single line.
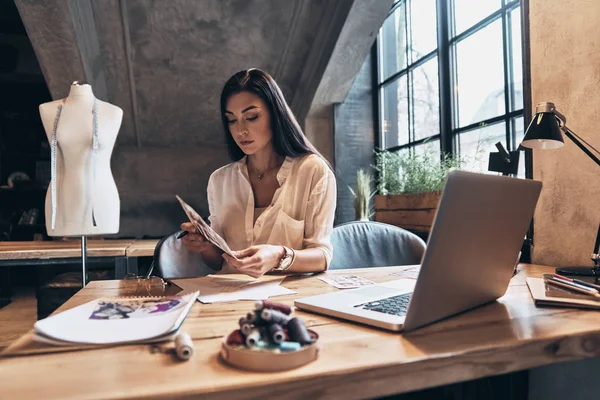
{"points": [[282, 175]]}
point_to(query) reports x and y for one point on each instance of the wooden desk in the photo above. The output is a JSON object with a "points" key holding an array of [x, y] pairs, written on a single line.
{"points": [[356, 361], [59, 249], [58, 252]]}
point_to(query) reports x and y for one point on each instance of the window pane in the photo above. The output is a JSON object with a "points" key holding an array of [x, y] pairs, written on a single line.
{"points": [[393, 43], [480, 80], [519, 132], [423, 28], [518, 128], [426, 102], [515, 18], [395, 113], [431, 149], [469, 12], [476, 146]]}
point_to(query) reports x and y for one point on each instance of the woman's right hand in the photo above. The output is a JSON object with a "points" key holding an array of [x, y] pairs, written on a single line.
{"points": [[194, 241]]}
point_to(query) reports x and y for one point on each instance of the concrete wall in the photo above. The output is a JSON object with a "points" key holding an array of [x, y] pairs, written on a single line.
{"points": [[354, 139], [565, 69], [164, 63]]}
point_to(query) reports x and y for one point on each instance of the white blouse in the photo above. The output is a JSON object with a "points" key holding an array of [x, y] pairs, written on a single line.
{"points": [[300, 215]]}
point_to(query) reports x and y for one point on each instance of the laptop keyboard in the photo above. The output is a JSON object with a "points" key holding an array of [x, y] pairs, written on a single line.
{"points": [[395, 305]]}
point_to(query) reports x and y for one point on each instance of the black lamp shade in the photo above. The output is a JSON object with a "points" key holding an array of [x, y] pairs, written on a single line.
{"points": [[543, 132]]}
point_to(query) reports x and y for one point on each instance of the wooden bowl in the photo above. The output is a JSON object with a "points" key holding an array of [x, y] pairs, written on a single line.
{"points": [[269, 361]]}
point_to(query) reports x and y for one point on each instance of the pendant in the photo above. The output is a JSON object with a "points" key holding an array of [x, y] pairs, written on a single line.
{"points": [[260, 176]]}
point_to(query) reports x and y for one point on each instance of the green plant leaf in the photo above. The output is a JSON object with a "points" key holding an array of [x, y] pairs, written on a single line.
{"points": [[407, 172]]}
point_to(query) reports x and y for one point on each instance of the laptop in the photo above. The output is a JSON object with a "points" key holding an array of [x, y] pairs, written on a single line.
{"points": [[471, 253]]}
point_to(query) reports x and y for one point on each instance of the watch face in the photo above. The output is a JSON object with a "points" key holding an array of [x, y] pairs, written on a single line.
{"points": [[285, 260]]}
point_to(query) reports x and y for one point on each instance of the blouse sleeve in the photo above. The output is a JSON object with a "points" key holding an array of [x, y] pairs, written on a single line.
{"points": [[320, 213], [211, 197]]}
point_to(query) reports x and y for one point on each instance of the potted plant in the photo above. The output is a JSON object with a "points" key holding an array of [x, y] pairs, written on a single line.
{"points": [[409, 187], [362, 196]]}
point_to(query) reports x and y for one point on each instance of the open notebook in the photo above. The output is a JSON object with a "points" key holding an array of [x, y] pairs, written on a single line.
{"points": [[117, 320]]}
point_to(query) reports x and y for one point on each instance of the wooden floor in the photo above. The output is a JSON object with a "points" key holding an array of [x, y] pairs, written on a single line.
{"points": [[19, 316]]}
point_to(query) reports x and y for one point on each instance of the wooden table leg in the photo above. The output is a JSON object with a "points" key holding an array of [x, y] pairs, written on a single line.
{"points": [[132, 265], [5, 286], [120, 267]]}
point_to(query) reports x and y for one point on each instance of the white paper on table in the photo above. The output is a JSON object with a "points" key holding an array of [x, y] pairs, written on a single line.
{"points": [[216, 289], [345, 281], [409, 273]]}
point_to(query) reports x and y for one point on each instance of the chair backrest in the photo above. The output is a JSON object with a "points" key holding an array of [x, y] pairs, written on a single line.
{"points": [[362, 244], [173, 260]]}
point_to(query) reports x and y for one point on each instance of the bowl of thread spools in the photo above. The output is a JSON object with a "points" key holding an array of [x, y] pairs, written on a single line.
{"points": [[270, 339]]}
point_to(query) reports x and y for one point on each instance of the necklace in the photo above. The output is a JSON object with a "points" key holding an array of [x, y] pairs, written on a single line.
{"points": [[53, 147], [261, 175]]}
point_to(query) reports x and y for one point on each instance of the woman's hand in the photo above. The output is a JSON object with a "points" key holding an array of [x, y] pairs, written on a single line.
{"points": [[256, 260], [194, 241]]}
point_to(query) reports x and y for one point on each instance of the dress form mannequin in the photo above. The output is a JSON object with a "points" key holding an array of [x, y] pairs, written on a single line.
{"points": [[86, 203]]}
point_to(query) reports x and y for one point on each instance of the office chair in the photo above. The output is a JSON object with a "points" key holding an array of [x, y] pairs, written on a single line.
{"points": [[361, 244], [173, 260]]}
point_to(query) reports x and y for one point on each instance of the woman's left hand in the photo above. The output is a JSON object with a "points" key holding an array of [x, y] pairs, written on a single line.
{"points": [[256, 260]]}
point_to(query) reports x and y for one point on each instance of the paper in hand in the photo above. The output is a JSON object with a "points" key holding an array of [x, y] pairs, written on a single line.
{"points": [[204, 229], [345, 281]]}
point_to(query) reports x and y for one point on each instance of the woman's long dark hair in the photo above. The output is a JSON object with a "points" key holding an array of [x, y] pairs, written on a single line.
{"points": [[288, 138]]}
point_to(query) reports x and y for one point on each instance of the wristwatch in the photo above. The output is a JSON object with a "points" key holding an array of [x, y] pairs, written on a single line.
{"points": [[286, 261]]}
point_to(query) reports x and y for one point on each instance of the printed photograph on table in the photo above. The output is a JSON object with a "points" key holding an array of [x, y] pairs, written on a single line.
{"points": [[346, 281], [134, 308]]}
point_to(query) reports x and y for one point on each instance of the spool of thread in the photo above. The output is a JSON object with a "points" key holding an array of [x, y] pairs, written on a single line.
{"points": [[250, 317], [245, 326], [255, 318], [276, 333], [236, 337], [264, 333], [298, 332], [184, 347], [284, 308], [283, 346], [264, 345], [274, 316], [289, 346], [253, 337]]}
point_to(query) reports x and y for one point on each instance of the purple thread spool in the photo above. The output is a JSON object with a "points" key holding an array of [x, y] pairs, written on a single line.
{"points": [[298, 332], [274, 316], [277, 334], [245, 326]]}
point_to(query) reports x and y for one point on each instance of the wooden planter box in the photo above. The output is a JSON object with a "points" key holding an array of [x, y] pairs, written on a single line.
{"points": [[414, 212]]}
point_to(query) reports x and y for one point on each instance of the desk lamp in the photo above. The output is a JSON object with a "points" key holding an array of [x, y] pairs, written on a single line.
{"points": [[544, 132]]}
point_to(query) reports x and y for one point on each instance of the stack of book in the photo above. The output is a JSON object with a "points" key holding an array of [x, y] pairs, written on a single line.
{"points": [[558, 290]]}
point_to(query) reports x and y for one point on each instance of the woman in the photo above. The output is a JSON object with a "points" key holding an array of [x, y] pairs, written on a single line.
{"points": [[275, 203]]}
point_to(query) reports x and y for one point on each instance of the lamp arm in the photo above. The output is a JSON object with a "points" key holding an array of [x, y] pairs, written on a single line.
{"points": [[561, 118], [571, 135]]}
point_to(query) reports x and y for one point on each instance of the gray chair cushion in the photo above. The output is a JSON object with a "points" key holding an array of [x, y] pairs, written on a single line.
{"points": [[173, 260], [363, 244]]}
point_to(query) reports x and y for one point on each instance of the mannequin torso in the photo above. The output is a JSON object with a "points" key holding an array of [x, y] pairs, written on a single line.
{"points": [[77, 190]]}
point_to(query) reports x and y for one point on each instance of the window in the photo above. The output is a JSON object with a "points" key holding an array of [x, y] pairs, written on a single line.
{"points": [[450, 78]]}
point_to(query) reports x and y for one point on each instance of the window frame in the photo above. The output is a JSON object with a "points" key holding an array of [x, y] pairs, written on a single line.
{"points": [[446, 56]]}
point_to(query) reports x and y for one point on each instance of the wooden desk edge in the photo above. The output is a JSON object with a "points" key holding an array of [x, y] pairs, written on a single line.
{"points": [[392, 378]]}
